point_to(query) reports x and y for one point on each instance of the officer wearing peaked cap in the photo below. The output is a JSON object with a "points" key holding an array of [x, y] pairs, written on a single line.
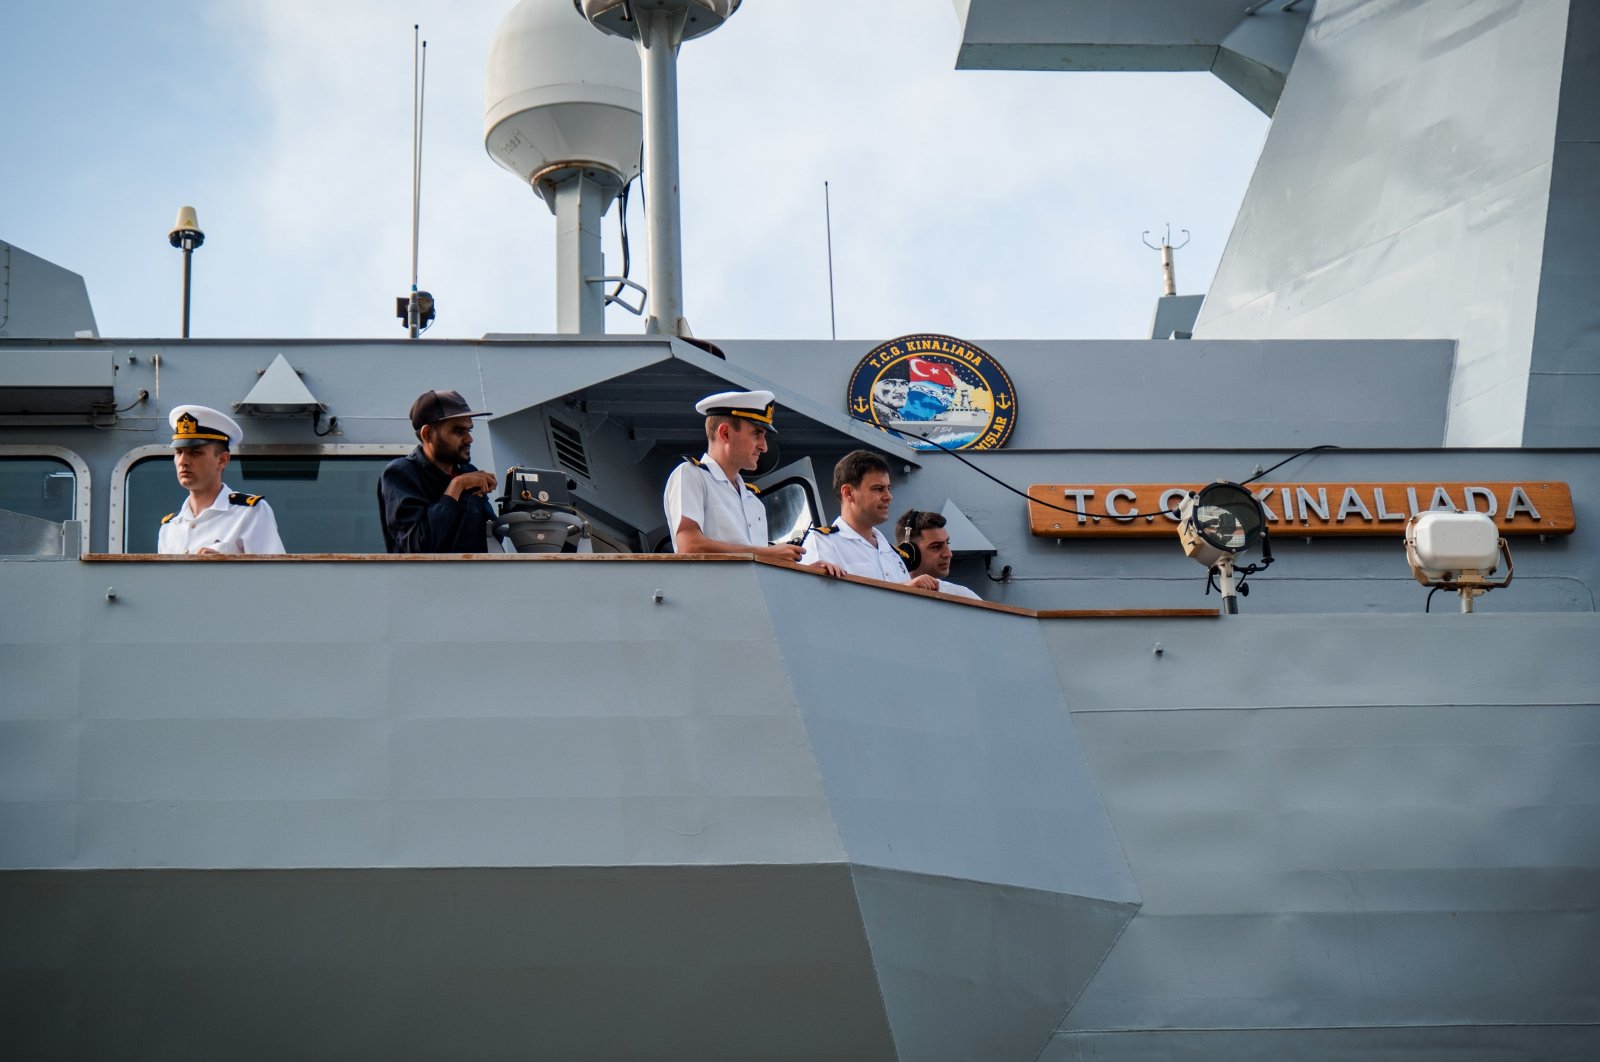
{"points": [[709, 506], [213, 519]]}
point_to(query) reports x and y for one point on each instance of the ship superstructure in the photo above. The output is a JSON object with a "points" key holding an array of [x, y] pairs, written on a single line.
{"points": [[627, 804]]}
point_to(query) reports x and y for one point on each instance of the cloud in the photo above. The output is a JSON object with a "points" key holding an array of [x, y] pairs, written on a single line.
{"points": [[990, 204]]}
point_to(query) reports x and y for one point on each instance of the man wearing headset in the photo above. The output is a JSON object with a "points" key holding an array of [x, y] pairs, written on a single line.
{"points": [[925, 531], [853, 544]]}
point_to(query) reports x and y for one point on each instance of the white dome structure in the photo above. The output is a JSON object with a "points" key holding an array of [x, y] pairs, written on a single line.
{"points": [[561, 96]]}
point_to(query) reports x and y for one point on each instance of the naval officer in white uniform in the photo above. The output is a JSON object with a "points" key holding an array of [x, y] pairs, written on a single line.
{"points": [[853, 544], [213, 519], [709, 506]]}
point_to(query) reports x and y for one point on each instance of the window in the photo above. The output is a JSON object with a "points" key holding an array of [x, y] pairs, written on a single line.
{"points": [[45, 487], [322, 504], [790, 509]]}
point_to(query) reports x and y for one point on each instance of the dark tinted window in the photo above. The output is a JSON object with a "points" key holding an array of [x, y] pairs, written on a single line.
{"points": [[38, 486], [322, 504], [790, 509]]}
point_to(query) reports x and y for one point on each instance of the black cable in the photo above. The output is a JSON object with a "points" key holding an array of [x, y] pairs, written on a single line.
{"points": [[316, 418], [622, 205], [1013, 490], [1076, 512], [1286, 460], [109, 409], [143, 397], [1428, 601]]}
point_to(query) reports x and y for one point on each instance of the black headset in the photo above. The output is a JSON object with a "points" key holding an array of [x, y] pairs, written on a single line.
{"points": [[908, 550]]}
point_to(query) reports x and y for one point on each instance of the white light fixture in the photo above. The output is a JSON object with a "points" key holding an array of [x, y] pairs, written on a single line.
{"points": [[1218, 523], [1457, 551]]}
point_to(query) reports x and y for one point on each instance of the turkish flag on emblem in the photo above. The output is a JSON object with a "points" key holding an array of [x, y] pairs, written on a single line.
{"points": [[924, 371]]}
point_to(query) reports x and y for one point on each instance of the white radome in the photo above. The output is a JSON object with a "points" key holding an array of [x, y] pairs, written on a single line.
{"points": [[561, 93]]}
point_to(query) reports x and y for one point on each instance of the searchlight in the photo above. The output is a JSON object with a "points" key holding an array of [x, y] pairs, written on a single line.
{"points": [[1219, 523]]}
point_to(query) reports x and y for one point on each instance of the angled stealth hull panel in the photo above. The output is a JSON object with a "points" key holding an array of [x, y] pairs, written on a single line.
{"points": [[553, 813], [991, 883], [1380, 832]]}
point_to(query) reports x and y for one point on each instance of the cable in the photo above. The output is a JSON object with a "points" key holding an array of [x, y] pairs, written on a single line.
{"points": [[1286, 460], [143, 396], [622, 205], [101, 409], [1077, 512], [1014, 490], [1428, 601]]}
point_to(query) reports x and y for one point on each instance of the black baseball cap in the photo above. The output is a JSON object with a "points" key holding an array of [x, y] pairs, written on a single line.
{"points": [[433, 406]]}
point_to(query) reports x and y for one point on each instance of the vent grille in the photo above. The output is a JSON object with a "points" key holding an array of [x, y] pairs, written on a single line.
{"points": [[567, 444]]}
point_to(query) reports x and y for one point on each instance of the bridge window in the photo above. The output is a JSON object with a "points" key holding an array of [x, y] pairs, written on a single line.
{"points": [[791, 509], [45, 487], [323, 504]]}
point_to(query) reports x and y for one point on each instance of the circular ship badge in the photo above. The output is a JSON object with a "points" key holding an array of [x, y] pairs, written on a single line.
{"points": [[935, 392]]}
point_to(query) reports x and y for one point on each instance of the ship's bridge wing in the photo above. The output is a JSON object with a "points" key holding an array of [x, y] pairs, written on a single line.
{"points": [[656, 402], [618, 414]]}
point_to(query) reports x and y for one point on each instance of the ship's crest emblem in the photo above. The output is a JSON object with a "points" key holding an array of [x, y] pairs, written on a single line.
{"points": [[934, 391]]}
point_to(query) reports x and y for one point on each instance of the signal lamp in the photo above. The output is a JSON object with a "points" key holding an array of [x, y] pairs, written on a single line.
{"points": [[1217, 524]]}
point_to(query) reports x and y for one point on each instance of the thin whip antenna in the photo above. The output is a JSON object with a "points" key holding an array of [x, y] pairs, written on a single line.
{"points": [[419, 81], [827, 213]]}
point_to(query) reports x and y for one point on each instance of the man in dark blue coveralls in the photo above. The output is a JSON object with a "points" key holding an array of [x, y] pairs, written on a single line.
{"points": [[433, 500]]}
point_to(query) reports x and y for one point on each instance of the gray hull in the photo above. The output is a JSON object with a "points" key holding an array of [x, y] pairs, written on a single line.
{"points": [[714, 828]]}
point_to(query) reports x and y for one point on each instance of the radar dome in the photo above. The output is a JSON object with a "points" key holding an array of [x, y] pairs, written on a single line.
{"points": [[619, 17], [560, 95]]}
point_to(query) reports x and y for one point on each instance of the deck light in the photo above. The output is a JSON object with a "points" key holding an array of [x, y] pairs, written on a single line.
{"points": [[1218, 523], [1457, 551]]}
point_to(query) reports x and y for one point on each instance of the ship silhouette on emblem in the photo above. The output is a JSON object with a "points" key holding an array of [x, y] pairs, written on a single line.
{"points": [[944, 413], [935, 398]]}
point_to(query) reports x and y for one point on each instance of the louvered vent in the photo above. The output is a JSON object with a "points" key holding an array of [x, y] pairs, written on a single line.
{"points": [[567, 443]]}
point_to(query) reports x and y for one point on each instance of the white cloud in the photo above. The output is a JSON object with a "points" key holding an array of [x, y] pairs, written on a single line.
{"points": [[989, 204]]}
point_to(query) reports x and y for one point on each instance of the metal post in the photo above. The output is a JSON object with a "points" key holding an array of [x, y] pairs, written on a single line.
{"points": [[1230, 598], [188, 252], [1168, 277], [827, 210], [580, 203], [659, 32]]}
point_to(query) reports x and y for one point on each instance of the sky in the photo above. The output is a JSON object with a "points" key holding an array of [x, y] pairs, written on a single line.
{"points": [[982, 204]]}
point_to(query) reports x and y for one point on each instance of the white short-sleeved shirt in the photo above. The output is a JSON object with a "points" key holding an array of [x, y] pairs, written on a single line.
{"points": [[873, 558], [947, 587], [226, 526], [726, 511]]}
